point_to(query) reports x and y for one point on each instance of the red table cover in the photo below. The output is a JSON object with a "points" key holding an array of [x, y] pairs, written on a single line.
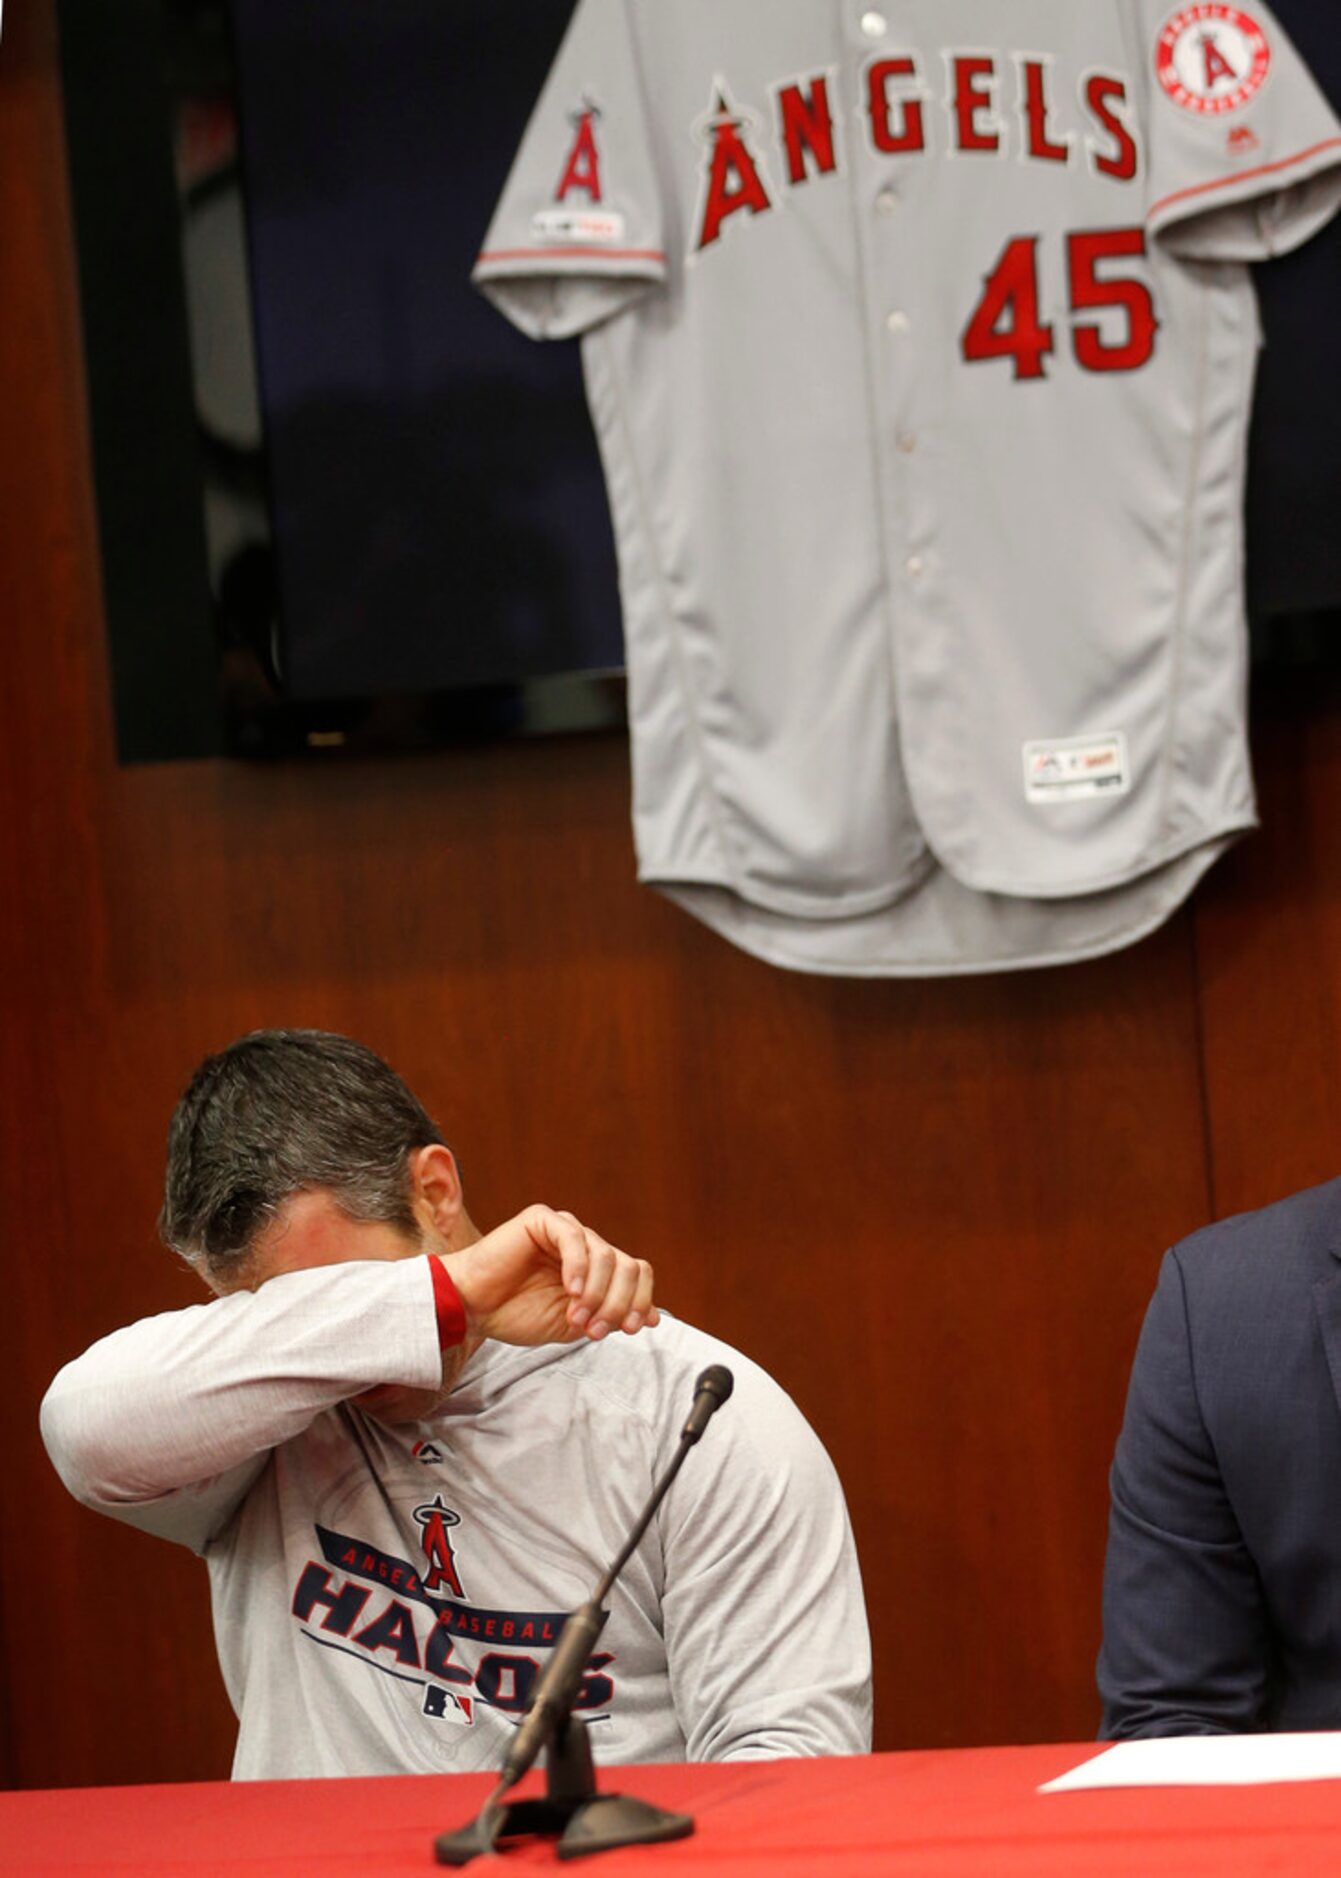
{"points": [[968, 1810]]}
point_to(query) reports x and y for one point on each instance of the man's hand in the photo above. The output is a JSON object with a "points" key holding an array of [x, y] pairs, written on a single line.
{"points": [[544, 1277]]}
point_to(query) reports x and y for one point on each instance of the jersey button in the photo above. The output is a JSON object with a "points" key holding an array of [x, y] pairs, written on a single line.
{"points": [[914, 565], [906, 441], [874, 25], [887, 201], [897, 321]]}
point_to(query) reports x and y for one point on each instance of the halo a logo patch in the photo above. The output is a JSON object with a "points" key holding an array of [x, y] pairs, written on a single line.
{"points": [[1212, 58], [436, 1519]]}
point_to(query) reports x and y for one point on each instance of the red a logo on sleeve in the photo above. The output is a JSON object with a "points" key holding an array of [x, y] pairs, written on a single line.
{"points": [[583, 167]]}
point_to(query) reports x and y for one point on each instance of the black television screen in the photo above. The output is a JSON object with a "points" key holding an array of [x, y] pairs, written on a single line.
{"points": [[401, 527], [438, 508]]}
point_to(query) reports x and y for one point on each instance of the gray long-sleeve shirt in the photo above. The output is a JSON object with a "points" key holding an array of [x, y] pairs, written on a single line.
{"points": [[384, 1597]]}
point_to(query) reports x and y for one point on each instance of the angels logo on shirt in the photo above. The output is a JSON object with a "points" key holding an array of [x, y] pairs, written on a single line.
{"points": [[435, 1518], [582, 169], [356, 1600], [583, 221], [1212, 58]]}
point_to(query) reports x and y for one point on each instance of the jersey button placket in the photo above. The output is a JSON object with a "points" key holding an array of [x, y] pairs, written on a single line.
{"points": [[899, 326], [884, 194]]}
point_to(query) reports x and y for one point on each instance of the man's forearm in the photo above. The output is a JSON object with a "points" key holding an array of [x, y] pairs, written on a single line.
{"points": [[177, 1399]]}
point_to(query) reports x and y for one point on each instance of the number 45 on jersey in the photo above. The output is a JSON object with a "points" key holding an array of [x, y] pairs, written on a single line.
{"points": [[1006, 324]]}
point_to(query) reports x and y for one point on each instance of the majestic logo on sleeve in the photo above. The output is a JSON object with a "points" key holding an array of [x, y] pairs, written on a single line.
{"points": [[1212, 58], [435, 1519]]}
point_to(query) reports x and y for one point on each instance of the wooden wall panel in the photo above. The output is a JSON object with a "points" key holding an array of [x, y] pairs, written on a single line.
{"points": [[1268, 935], [978, 1178], [934, 1210]]}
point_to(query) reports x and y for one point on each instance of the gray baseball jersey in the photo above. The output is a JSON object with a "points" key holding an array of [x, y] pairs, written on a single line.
{"points": [[919, 344], [384, 1598]]}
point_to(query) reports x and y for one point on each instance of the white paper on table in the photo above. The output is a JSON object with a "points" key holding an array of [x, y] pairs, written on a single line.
{"points": [[1207, 1761]]}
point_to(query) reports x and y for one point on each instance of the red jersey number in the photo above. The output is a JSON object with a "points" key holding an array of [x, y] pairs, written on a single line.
{"points": [[1005, 324], [1084, 252]]}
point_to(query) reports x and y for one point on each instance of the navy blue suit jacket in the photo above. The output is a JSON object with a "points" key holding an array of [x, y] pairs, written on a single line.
{"points": [[1222, 1590]]}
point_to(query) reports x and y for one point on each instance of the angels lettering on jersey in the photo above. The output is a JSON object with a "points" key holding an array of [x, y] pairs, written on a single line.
{"points": [[992, 104]]}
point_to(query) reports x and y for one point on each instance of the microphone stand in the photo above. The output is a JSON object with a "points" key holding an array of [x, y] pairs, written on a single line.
{"points": [[585, 1819]]}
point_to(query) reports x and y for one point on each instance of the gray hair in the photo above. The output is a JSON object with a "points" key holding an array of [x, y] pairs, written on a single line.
{"points": [[274, 1114]]}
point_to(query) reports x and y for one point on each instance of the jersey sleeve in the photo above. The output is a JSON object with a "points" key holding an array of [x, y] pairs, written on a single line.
{"points": [[1245, 151], [1185, 1635], [167, 1423], [764, 1618], [578, 231]]}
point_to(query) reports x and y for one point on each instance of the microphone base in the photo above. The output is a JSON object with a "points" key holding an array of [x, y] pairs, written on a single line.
{"points": [[583, 1820], [596, 1825]]}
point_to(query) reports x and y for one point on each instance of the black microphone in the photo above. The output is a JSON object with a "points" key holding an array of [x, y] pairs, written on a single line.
{"points": [[555, 1691], [713, 1388], [553, 1698]]}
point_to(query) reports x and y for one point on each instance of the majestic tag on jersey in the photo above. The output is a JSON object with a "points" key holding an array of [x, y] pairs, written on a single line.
{"points": [[1211, 58], [1073, 767]]}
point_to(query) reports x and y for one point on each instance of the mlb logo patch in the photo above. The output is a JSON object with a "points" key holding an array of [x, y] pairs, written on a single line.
{"points": [[445, 1705]]}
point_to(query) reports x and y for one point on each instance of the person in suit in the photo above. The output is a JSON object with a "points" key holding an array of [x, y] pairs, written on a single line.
{"points": [[1222, 1588]]}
